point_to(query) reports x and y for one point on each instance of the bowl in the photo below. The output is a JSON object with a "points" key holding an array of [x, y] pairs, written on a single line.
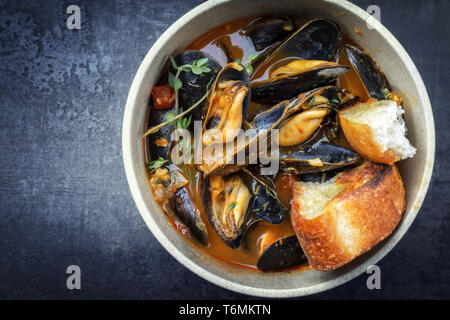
{"points": [[364, 30]]}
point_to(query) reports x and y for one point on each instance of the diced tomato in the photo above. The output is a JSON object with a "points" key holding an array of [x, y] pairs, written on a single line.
{"points": [[163, 96]]}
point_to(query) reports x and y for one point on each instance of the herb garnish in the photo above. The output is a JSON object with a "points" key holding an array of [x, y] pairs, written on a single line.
{"points": [[156, 164], [231, 206]]}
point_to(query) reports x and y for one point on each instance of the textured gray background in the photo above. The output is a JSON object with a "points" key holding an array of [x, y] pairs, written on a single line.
{"points": [[64, 198]]}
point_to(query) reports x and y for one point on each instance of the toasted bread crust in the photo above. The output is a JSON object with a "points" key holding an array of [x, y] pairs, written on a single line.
{"points": [[365, 212]]}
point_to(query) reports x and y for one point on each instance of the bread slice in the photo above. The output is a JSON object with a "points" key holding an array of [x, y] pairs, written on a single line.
{"points": [[376, 130], [338, 220]]}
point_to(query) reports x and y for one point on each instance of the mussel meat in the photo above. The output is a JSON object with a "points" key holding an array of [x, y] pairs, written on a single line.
{"points": [[227, 105], [226, 201]]}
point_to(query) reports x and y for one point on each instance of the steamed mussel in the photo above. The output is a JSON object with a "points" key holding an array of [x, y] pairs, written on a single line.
{"points": [[305, 65], [226, 202], [290, 104]]}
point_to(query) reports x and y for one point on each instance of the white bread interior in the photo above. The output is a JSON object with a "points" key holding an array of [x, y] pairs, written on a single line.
{"points": [[388, 130]]}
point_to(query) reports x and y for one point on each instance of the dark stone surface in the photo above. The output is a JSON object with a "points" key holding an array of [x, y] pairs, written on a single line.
{"points": [[64, 198]]}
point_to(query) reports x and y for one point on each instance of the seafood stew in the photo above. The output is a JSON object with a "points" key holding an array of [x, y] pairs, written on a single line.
{"points": [[298, 82]]}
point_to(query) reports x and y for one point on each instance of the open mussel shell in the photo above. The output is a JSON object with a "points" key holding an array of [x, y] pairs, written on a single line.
{"points": [[269, 30], [244, 149], [187, 211], [319, 157], [265, 203], [369, 72], [226, 201], [276, 89], [194, 86], [236, 78], [280, 254]]}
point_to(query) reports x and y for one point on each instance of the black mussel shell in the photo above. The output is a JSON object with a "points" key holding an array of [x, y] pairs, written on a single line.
{"points": [[194, 86], [279, 89], [189, 214], [316, 40], [159, 143], [372, 77], [271, 118], [319, 157], [265, 203], [319, 177], [269, 30], [281, 254]]}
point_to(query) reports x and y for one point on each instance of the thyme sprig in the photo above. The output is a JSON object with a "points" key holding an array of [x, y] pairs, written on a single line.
{"points": [[172, 120]]}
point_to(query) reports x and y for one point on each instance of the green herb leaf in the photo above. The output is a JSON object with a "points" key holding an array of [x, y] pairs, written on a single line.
{"points": [[170, 117], [201, 62], [255, 209], [174, 64], [249, 69], [271, 193], [238, 60], [177, 85], [171, 79], [311, 101], [156, 164], [196, 70], [252, 57], [186, 69], [208, 86], [232, 205], [184, 123], [386, 93], [334, 102]]}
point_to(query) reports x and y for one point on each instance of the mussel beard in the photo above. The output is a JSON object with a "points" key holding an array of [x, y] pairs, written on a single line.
{"points": [[225, 116], [228, 203]]}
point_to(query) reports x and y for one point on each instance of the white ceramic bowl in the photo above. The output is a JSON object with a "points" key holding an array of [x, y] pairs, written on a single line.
{"points": [[402, 75]]}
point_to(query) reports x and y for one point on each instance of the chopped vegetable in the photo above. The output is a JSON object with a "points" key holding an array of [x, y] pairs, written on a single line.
{"points": [[163, 97]]}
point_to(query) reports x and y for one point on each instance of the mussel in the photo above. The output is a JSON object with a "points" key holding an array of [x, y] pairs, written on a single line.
{"points": [[372, 77], [227, 105], [226, 200], [305, 55], [159, 143], [194, 86], [319, 157], [297, 76], [265, 203], [229, 151], [269, 30], [189, 214], [276, 254]]}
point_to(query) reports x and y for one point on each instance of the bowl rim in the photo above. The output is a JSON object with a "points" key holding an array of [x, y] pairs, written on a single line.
{"points": [[136, 192]]}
